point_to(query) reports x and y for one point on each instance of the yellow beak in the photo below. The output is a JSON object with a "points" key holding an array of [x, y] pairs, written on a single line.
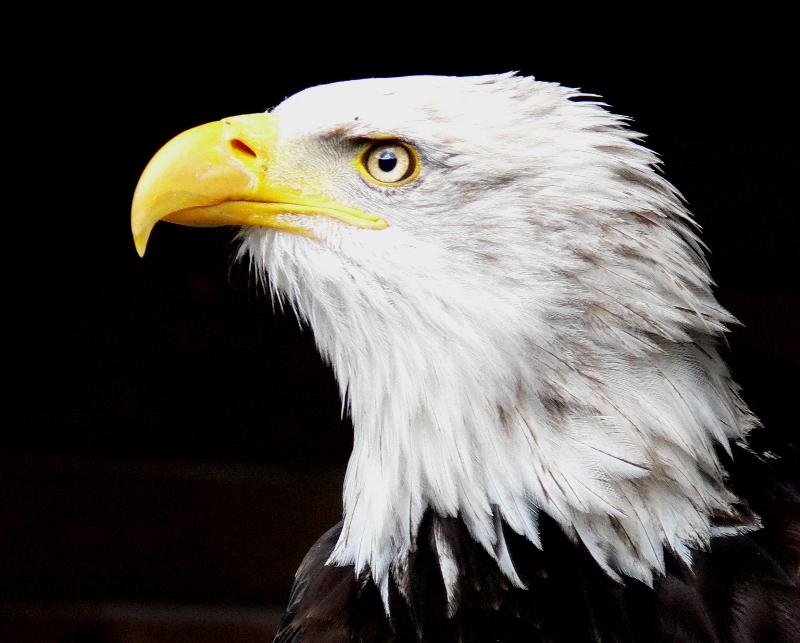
{"points": [[218, 174]]}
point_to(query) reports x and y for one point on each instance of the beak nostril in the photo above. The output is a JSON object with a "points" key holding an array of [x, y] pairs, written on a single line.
{"points": [[242, 148]]}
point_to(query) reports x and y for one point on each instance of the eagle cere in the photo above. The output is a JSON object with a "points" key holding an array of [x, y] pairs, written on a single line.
{"points": [[519, 314]]}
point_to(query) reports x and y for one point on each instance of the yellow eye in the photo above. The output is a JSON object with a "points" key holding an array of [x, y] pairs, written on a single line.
{"points": [[390, 163]]}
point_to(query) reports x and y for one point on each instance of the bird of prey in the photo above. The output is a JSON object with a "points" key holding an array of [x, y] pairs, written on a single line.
{"points": [[517, 308]]}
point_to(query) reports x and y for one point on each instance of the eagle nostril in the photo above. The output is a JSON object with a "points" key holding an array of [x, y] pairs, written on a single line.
{"points": [[242, 149]]}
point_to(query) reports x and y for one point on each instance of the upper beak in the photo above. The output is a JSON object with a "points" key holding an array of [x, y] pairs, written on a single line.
{"points": [[219, 174]]}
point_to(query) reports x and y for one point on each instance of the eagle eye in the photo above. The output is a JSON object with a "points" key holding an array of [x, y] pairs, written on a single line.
{"points": [[390, 163]]}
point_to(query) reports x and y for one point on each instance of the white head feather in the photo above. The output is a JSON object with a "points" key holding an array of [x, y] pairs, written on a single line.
{"points": [[534, 331]]}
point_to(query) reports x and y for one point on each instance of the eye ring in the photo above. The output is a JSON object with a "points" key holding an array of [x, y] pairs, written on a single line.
{"points": [[389, 163]]}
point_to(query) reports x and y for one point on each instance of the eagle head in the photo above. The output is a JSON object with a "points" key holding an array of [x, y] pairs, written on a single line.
{"points": [[514, 301]]}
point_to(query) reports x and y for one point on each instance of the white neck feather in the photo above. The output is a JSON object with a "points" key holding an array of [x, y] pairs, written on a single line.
{"points": [[502, 410]]}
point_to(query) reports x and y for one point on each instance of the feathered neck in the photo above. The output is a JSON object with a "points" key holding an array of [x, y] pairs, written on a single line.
{"points": [[495, 412]]}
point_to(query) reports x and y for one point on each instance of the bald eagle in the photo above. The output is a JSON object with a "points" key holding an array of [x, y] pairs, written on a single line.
{"points": [[519, 314]]}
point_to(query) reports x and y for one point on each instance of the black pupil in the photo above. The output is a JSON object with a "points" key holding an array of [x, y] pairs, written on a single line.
{"points": [[387, 161]]}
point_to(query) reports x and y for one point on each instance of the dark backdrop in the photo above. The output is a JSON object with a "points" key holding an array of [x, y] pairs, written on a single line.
{"points": [[135, 388]]}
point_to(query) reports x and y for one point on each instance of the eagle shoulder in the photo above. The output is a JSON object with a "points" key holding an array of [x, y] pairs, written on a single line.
{"points": [[745, 588]]}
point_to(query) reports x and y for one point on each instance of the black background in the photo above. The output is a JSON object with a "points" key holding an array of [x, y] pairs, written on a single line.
{"points": [[178, 358]]}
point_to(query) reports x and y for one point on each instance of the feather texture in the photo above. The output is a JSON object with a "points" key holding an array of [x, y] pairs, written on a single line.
{"points": [[742, 590]]}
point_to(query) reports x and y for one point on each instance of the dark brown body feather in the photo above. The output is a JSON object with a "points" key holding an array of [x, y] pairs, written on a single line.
{"points": [[746, 589]]}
